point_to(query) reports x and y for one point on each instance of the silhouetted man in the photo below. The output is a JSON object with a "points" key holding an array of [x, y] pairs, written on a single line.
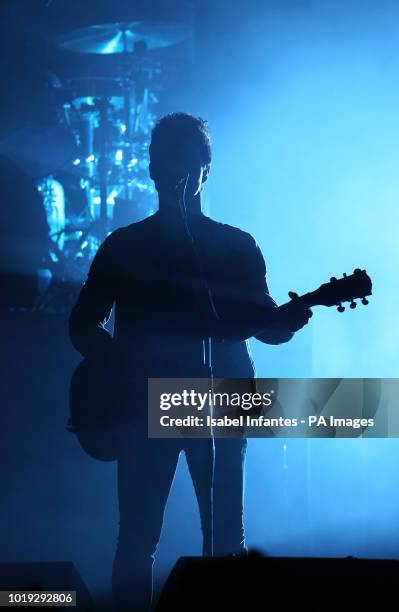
{"points": [[188, 293]]}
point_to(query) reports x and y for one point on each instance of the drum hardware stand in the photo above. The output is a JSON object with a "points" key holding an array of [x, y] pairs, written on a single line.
{"points": [[103, 165]]}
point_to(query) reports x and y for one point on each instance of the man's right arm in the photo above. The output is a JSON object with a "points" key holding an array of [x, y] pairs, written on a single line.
{"points": [[282, 321], [254, 313], [94, 305]]}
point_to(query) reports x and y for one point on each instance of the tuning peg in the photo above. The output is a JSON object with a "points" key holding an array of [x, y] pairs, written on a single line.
{"points": [[344, 274], [340, 308], [293, 295], [365, 301], [333, 279], [352, 304], [357, 271]]}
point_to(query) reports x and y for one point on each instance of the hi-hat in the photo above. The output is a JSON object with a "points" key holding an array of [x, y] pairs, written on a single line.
{"points": [[110, 38]]}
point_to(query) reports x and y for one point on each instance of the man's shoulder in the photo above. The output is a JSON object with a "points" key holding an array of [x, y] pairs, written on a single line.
{"points": [[120, 236], [136, 227], [228, 229], [231, 232]]}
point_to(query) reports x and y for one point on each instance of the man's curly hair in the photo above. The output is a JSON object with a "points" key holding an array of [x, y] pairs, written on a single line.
{"points": [[175, 132]]}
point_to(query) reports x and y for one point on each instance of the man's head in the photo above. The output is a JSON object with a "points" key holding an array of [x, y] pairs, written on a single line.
{"points": [[180, 151]]}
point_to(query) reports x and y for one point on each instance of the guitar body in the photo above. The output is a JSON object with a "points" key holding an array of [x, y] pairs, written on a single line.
{"points": [[95, 412]]}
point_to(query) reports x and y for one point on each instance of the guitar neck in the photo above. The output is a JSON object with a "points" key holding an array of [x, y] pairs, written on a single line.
{"points": [[309, 299]]}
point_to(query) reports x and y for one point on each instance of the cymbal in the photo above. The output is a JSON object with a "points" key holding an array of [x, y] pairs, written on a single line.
{"points": [[111, 38]]}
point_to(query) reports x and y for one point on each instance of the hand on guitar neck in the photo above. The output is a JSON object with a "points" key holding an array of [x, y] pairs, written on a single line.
{"points": [[292, 316]]}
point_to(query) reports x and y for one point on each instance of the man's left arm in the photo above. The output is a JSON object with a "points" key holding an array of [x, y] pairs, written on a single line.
{"points": [[94, 305]]}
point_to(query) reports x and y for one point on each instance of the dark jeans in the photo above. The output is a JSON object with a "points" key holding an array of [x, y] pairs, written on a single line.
{"points": [[145, 475], [228, 494]]}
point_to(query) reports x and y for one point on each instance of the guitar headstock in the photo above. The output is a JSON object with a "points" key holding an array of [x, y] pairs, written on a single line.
{"points": [[345, 289]]}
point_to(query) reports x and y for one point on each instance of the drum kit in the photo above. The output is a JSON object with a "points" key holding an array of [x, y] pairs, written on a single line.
{"points": [[105, 183]]}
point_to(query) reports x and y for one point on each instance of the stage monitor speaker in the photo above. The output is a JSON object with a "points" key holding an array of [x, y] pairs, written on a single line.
{"points": [[57, 576], [258, 583]]}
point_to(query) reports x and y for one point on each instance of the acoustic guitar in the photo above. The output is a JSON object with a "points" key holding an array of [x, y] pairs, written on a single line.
{"points": [[95, 415]]}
